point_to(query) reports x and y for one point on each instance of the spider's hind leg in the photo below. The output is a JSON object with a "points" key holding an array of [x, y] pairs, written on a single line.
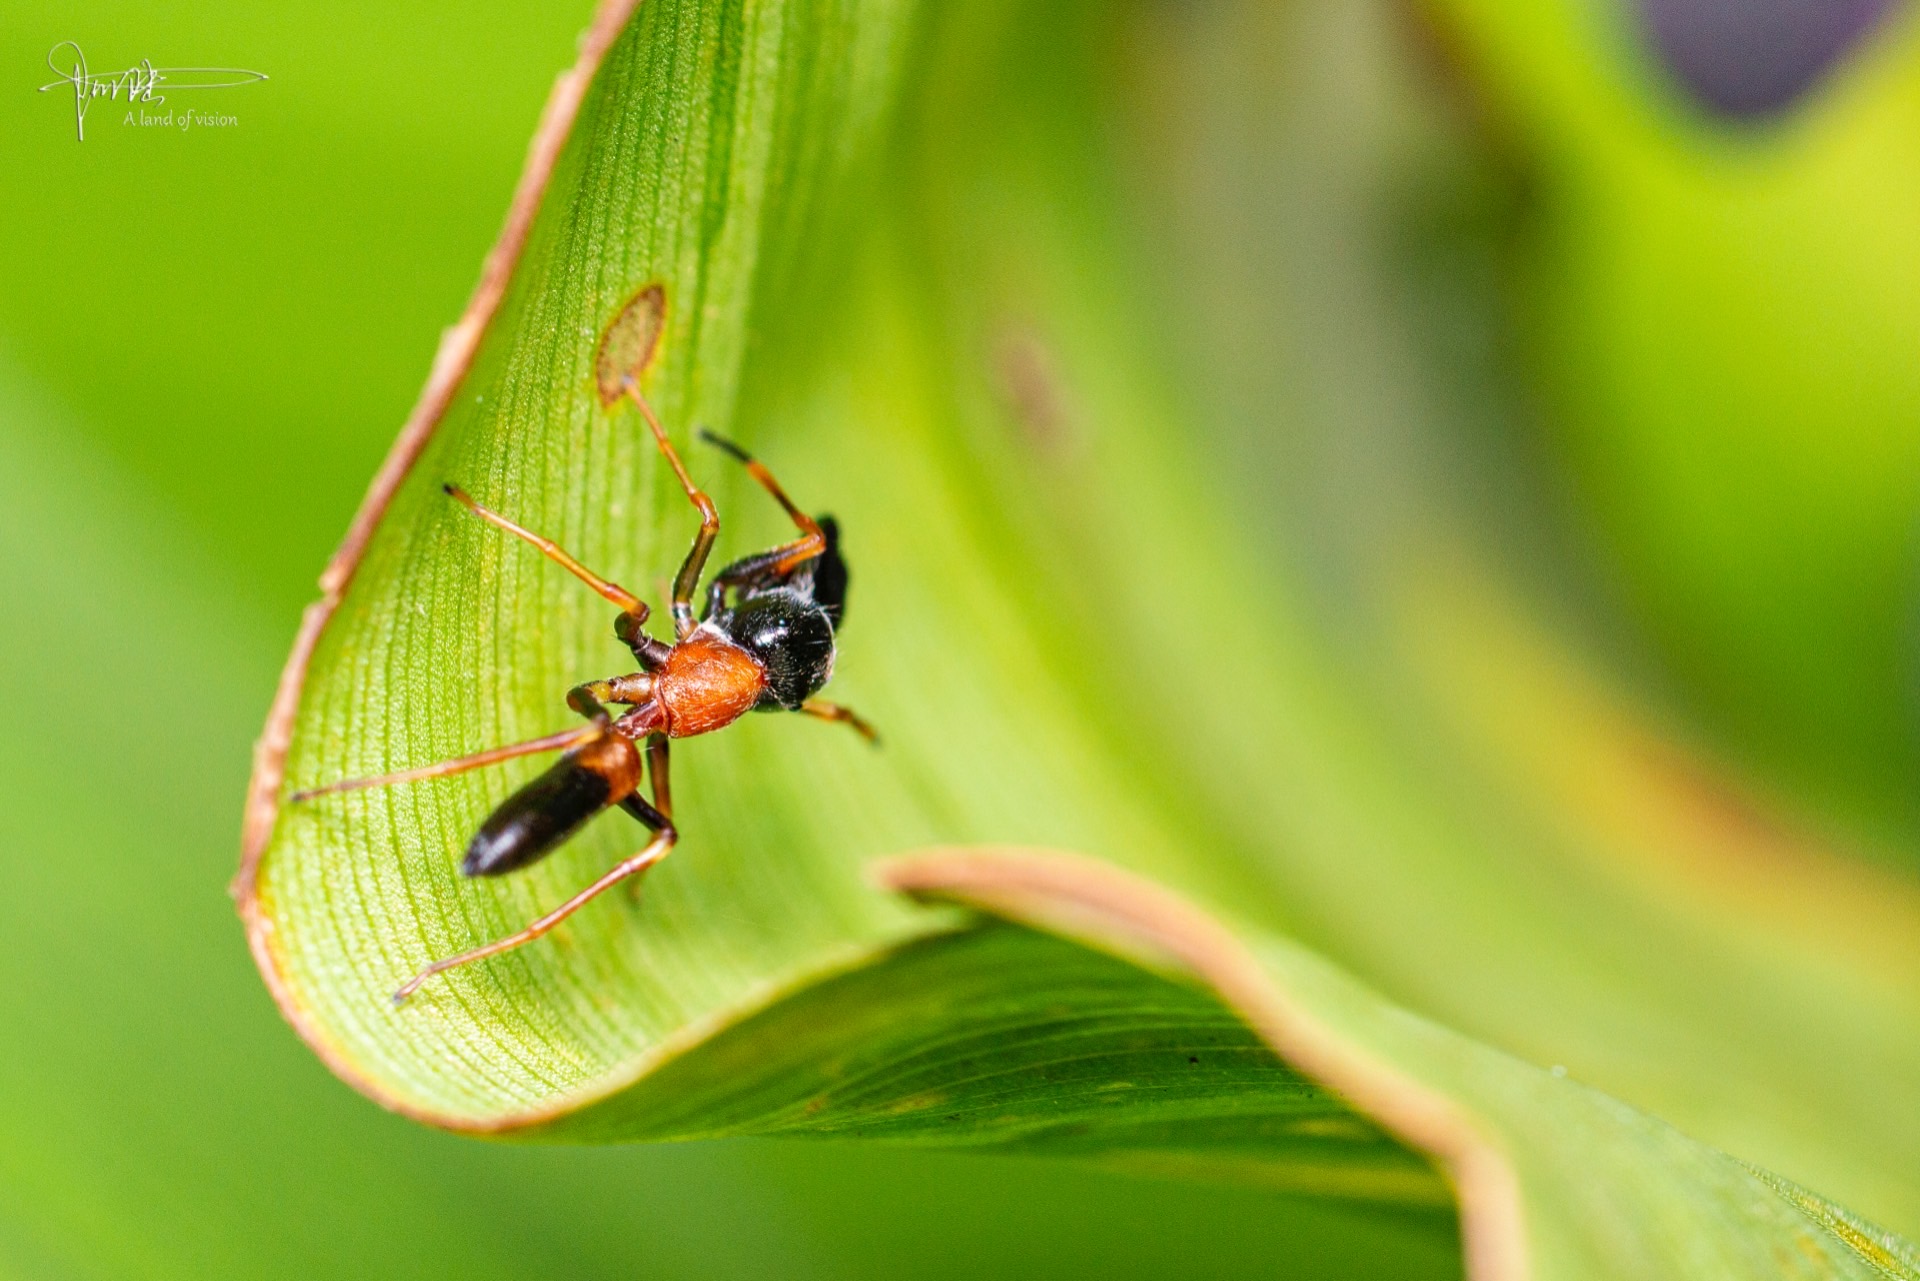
{"points": [[655, 850]]}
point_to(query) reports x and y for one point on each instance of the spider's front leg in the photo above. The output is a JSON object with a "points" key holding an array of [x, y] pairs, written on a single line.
{"points": [[629, 626]]}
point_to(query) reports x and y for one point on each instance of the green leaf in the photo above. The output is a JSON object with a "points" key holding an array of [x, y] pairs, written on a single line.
{"points": [[897, 264]]}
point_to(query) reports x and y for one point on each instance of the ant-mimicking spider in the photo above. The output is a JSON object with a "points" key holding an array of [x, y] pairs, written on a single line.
{"points": [[770, 649]]}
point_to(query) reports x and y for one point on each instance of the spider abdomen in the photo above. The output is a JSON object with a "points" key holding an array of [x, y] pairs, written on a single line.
{"points": [[540, 817]]}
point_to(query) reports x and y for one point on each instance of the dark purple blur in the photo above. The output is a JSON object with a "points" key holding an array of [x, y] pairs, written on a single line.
{"points": [[1754, 57]]}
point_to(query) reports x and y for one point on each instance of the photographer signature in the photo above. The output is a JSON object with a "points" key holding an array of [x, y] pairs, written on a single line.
{"points": [[139, 83]]}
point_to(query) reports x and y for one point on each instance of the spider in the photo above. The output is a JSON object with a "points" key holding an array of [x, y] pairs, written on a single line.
{"points": [[768, 648]]}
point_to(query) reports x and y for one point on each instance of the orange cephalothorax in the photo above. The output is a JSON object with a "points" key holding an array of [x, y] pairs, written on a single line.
{"points": [[706, 683]]}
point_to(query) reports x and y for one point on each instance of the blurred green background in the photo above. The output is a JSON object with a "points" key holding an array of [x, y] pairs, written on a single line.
{"points": [[207, 342], [1660, 356]]}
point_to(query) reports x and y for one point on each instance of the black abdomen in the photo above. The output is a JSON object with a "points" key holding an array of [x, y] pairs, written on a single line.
{"points": [[537, 818]]}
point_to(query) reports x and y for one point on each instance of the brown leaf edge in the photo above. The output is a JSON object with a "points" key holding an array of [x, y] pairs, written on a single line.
{"points": [[450, 366], [1096, 903], [1068, 894]]}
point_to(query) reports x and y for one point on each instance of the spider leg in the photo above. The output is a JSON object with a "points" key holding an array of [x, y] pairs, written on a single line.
{"points": [[688, 579], [591, 698], [658, 746], [458, 765], [784, 559], [655, 850], [745, 574], [633, 610], [823, 710], [585, 699], [657, 750], [826, 576]]}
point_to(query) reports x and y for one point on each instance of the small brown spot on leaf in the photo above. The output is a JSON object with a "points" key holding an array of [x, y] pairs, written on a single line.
{"points": [[628, 343], [1028, 380]]}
